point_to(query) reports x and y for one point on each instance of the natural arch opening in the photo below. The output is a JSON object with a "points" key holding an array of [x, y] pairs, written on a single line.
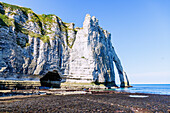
{"points": [[51, 79]]}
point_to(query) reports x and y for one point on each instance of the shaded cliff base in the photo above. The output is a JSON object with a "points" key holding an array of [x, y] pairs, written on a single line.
{"points": [[18, 84], [95, 102], [93, 85]]}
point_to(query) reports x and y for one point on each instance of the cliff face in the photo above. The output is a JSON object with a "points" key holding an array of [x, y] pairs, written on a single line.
{"points": [[32, 45]]}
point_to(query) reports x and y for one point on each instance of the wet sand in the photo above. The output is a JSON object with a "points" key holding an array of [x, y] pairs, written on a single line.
{"points": [[96, 102]]}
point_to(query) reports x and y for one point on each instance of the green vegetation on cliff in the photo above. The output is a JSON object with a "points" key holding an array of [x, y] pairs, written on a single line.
{"points": [[5, 20], [45, 39], [47, 19], [43, 23], [15, 7]]}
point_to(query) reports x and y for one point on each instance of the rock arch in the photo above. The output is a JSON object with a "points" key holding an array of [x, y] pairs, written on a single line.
{"points": [[124, 82]]}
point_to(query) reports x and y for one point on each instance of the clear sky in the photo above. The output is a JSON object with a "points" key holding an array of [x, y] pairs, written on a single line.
{"points": [[140, 30]]}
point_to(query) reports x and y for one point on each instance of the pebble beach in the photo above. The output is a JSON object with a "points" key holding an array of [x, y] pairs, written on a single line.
{"points": [[109, 102]]}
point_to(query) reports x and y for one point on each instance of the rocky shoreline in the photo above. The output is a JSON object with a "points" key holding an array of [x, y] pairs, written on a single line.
{"points": [[93, 101]]}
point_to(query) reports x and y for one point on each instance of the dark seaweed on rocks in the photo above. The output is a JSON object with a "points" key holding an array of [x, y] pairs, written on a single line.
{"points": [[88, 103]]}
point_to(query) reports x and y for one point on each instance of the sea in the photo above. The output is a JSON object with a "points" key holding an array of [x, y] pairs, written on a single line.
{"points": [[162, 89]]}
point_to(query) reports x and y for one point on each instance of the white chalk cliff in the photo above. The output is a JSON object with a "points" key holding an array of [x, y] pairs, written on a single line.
{"points": [[32, 45]]}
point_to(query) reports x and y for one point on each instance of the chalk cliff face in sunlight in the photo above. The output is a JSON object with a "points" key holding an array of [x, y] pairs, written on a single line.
{"points": [[32, 45]]}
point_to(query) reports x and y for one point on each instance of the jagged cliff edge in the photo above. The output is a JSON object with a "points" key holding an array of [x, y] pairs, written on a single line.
{"points": [[33, 45]]}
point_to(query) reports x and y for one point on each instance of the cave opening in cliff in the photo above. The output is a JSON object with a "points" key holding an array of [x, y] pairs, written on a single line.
{"points": [[51, 79]]}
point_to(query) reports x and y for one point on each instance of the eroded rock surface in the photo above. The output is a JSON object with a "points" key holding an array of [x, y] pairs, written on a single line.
{"points": [[32, 44]]}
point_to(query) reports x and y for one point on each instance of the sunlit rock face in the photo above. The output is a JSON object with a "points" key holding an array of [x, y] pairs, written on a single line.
{"points": [[32, 44]]}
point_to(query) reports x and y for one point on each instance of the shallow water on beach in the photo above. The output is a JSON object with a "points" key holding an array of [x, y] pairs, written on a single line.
{"points": [[162, 89]]}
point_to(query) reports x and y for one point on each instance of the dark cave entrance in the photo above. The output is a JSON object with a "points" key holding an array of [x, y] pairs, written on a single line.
{"points": [[51, 79]]}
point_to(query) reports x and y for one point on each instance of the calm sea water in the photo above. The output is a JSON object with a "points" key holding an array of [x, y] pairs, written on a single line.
{"points": [[163, 89]]}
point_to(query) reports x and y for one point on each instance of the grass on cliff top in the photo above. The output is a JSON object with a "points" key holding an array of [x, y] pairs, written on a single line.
{"points": [[47, 18], [15, 7], [41, 20]]}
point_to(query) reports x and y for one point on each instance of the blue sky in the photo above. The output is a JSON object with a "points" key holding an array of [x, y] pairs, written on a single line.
{"points": [[140, 30]]}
